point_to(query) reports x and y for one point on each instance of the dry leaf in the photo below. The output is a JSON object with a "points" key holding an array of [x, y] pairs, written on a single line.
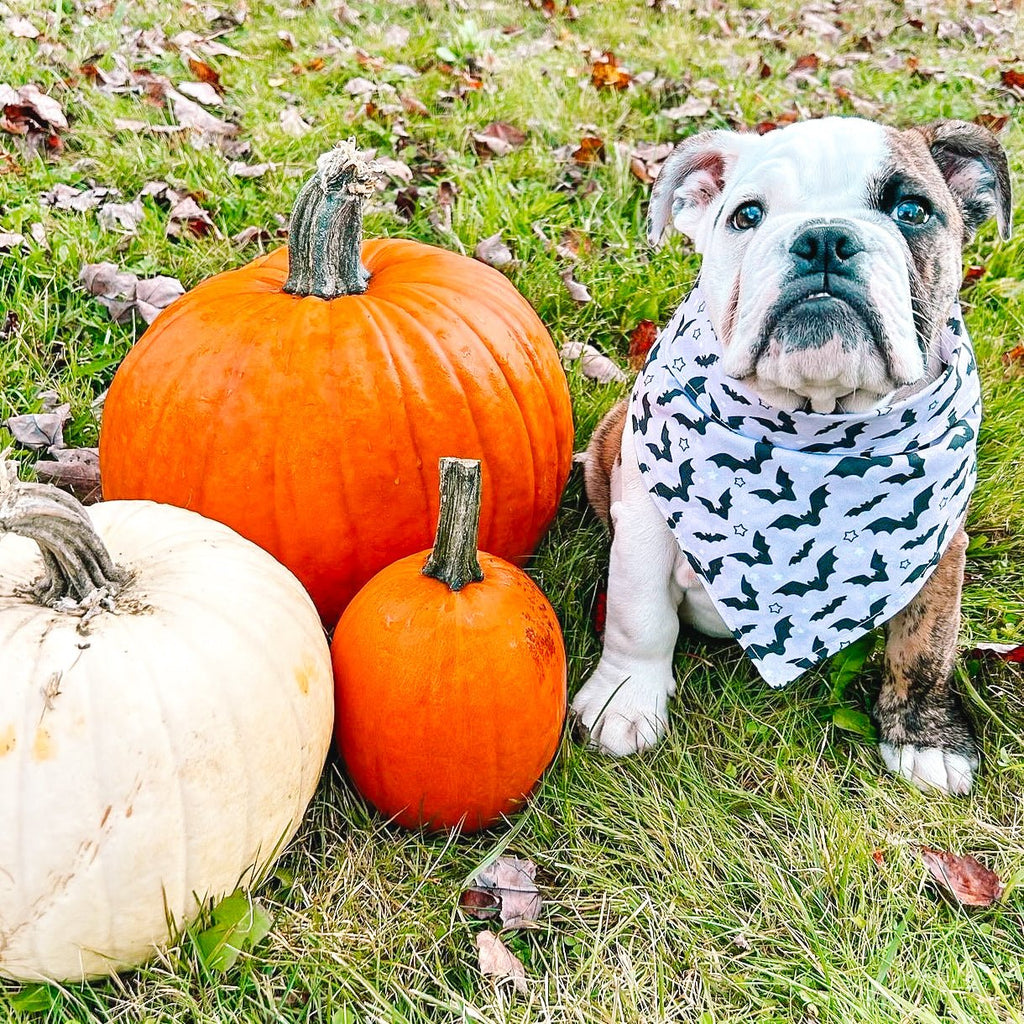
{"points": [[292, 122], [154, 294], [493, 251], [74, 469], [577, 292], [124, 216], [21, 28], [692, 106], [238, 169], [509, 882], [251, 234], [641, 339], [966, 878], [64, 197], [40, 431], [499, 138], [589, 151], [1007, 652], [10, 240], [27, 108], [190, 114], [607, 73], [441, 216], [594, 364], [188, 215], [125, 296], [205, 73], [497, 962], [203, 92]]}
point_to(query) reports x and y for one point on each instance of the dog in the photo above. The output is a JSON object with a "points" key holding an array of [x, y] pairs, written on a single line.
{"points": [[831, 263]]}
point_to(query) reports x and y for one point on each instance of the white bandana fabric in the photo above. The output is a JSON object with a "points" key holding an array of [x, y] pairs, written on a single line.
{"points": [[808, 529]]}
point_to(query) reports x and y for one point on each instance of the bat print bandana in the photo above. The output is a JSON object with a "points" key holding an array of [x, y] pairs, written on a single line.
{"points": [[807, 529]]}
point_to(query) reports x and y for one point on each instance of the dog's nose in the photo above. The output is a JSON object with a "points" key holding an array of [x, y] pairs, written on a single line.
{"points": [[826, 249]]}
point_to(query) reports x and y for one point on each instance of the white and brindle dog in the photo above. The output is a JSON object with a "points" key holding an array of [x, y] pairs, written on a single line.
{"points": [[831, 260]]}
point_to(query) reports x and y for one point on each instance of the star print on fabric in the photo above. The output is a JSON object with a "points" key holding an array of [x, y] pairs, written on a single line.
{"points": [[850, 535], [738, 482], [932, 405], [775, 608], [648, 378], [678, 363], [684, 444], [905, 564], [696, 334], [944, 503], [740, 531]]}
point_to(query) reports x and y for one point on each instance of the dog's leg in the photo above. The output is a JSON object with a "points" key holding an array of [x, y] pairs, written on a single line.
{"points": [[623, 706], [924, 732]]}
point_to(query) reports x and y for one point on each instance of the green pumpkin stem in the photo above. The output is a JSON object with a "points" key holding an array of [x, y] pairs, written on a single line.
{"points": [[76, 562], [325, 238], [454, 560]]}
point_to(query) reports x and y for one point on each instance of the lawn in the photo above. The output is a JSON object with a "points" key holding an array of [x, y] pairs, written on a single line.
{"points": [[758, 866]]}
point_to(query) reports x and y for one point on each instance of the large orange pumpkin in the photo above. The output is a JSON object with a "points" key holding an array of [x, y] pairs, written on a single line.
{"points": [[305, 399], [449, 672]]}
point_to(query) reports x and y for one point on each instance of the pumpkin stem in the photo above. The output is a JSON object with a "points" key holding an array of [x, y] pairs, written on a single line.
{"points": [[76, 562], [326, 233], [453, 560]]}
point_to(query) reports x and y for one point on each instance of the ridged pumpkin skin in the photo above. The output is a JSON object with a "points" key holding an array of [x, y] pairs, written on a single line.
{"points": [[156, 755], [314, 427], [450, 705]]}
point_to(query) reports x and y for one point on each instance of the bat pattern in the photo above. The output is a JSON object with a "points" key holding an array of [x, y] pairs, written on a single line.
{"points": [[710, 538], [735, 395], [723, 506], [667, 397], [706, 360], [697, 426], [850, 435], [873, 612], [783, 631], [662, 452], [810, 518], [682, 491], [918, 541], [640, 424], [889, 525], [761, 546], [749, 605], [784, 493], [878, 575], [908, 419], [828, 609], [762, 454], [867, 506], [803, 552], [826, 570], [916, 463]]}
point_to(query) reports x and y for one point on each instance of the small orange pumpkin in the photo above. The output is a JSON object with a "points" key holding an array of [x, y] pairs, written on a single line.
{"points": [[305, 399], [450, 672]]}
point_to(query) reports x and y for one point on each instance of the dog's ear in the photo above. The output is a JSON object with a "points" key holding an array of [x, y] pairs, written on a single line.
{"points": [[690, 180], [973, 162]]}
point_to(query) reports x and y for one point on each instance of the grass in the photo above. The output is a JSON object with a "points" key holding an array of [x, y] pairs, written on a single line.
{"points": [[758, 866]]}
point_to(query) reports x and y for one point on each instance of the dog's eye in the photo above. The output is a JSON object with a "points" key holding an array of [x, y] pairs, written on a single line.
{"points": [[747, 216], [912, 211]]}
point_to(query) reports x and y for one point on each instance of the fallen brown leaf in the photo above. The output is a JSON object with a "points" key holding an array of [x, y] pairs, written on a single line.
{"points": [[497, 962], [493, 251], [641, 338], [577, 292], [498, 138], [510, 883], [963, 876], [607, 73], [40, 431], [205, 73], [594, 364], [73, 469], [589, 151]]}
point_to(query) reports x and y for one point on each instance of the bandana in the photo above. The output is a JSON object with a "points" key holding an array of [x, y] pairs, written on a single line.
{"points": [[807, 529]]}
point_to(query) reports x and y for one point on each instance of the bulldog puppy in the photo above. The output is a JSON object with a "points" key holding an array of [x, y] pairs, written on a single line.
{"points": [[831, 261]]}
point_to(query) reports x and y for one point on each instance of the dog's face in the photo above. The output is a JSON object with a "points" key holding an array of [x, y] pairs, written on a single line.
{"points": [[832, 248]]}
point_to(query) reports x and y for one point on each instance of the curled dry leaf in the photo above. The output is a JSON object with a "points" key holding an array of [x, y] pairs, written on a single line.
{"points": [[292, 122], [607, 73], [498, 138], [594, 364], [641, 339], [493, 251], [205, 73], [589, 151], [964, 877], [497, 962], [154, 294], [238, 169], [188, 215], [577, 292], [1013, 653], [692, 106], [40, 431], [202, 92], [73, 469], [121, 216], [441, 216], [11, 240], [506, 887], [26, 109], [21, 28], [125, 296]]}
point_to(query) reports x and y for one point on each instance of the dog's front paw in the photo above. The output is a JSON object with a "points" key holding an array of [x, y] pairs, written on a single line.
{"points": [[933, 768], [619, 714]]}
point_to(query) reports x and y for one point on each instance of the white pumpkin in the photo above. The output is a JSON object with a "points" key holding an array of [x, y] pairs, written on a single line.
{"points": [[156, 751]]}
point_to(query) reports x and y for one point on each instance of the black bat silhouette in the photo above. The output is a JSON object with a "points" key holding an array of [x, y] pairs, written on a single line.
{"points": [[850, 435], [760, 546], [762, 454], [803, 552], [640, 423], [826, 569], [956, 476], [695, 385], [682, 491], [662, 452], [960, 440], [667, 397], [879, 575], [783, 422], [828, 609], [673, 520], [735, 395], [810, 518], [858, 465], [710, 538], [785, 491], [712, 569], [867, 506], [889, 525], [908, 419], [918, 541], [873, 612], [783, 631], [749, 605], [722, 508], [916, 471], [697, 426], [707, 360]]}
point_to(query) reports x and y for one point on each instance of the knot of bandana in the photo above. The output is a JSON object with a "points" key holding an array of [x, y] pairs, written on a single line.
{"points": [[808, 529]]}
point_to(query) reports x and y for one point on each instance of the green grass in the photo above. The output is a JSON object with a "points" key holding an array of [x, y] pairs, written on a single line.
{"points": [[730, 875]]}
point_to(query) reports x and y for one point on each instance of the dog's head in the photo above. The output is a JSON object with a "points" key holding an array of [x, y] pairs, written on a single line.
{"points": [[832, 248]]}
